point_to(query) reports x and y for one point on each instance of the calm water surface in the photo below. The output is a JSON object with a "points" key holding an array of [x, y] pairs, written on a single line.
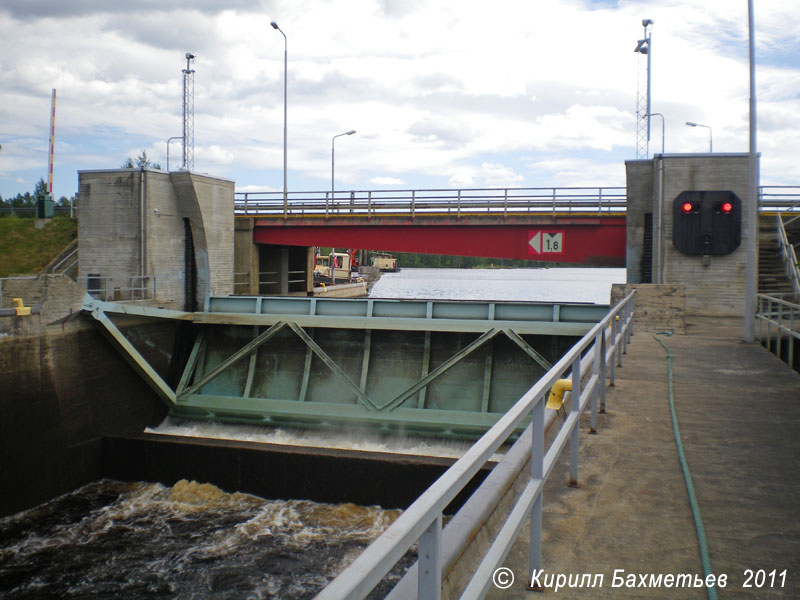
{"points": [[529, 285], [191, 540]]}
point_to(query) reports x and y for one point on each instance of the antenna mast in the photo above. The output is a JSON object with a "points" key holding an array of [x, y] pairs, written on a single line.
{"points": [[52, 142], [188, 113], [644, 47]]}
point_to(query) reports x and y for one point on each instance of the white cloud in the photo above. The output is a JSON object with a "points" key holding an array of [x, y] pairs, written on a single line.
{"points": [[387, 181], [447, 91], [488, 174]]}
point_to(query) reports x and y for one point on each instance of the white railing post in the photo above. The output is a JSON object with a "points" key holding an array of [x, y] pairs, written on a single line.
{"points": [[575, 409], [326, 204], [600, 381], [612, 366], [603, 366], [413, 196], [429, 574], [537, 475], [780, 330]]}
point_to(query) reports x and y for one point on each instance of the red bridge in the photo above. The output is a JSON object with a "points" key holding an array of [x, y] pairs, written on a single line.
{"points": [[570, 225]]}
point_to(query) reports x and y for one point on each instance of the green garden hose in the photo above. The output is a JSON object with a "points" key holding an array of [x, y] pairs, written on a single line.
{"points": [[711, 590]]}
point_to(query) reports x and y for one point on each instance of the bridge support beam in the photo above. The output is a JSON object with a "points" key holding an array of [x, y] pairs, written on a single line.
{"points": [[270, 269]]}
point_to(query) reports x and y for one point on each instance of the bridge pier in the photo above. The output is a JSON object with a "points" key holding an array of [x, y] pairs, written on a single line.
{"points": [[270, 269]]}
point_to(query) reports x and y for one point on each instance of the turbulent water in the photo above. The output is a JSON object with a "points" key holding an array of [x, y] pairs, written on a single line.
{"points": [[192, 540], [134, 540]]}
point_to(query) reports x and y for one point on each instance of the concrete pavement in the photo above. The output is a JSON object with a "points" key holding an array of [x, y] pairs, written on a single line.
{"points": [[738, 410]]}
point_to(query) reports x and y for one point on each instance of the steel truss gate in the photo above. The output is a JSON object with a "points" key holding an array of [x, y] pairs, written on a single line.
{"points": [[441, 367]]}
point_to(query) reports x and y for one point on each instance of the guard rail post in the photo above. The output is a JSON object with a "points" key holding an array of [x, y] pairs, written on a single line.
{"points": [[537, 479], [600, 377], [575, 413], [612, 364], [603, 366], [429, 582]]}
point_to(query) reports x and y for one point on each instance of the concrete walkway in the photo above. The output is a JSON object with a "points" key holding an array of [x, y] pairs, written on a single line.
{"points": [[739, 415]]}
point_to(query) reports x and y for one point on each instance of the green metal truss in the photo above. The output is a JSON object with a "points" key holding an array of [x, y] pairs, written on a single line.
{"points": [[452, 368]]}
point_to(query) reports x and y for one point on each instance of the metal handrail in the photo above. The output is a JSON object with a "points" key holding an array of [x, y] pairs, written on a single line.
{"points": [[422, 521], [13, 278], [465, 201], [785, 317], [788, 255], [141, 287], [454, 201]]}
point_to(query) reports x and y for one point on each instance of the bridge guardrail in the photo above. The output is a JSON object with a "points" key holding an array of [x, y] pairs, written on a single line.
{"points": [[458, 202], [602, 347], [463, 202]]}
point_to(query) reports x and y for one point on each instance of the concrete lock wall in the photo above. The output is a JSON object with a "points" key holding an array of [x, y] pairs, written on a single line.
{"points": [[121, 208], [715, 287], [60, 392]]}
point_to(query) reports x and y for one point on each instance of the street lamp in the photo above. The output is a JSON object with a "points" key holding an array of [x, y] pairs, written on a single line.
{"points": [[333, 139], [662, 128], [645, 47], [175, 137], [285, 74], [710, 136]]}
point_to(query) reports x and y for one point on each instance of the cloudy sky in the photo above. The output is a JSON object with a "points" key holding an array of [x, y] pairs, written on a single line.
{"points": [[442, 93]]}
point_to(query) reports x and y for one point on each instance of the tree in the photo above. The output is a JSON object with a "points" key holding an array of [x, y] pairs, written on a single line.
{"points": [[141, 162], [41, 189]]}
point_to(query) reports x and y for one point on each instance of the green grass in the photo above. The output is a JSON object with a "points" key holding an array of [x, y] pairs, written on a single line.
{"points": [[25, 250]]}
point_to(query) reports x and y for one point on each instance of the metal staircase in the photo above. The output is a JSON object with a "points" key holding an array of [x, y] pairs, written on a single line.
{"points": [[775, 272]]}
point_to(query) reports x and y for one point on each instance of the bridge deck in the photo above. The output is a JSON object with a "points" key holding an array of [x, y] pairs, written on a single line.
{"points": [[739, 414]]}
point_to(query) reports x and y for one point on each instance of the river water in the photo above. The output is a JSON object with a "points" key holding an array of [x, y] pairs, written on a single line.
{"points": [[193, 540]]}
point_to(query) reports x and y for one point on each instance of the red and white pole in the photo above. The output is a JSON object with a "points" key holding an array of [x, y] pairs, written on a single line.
{"points": [[52, 141]]}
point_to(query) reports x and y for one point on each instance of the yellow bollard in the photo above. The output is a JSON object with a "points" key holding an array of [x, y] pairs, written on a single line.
{"points": [[22, 310], [556, 398]]}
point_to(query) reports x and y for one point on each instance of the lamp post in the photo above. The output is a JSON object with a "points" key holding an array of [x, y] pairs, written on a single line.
{"points": [[176, 137], [710, 135], [662, 128], [333, 140], [644, 46], [285, 73]]}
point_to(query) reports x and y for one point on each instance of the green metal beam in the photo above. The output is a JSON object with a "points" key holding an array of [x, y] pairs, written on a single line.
{"points": [[337, 370], [306, 372], [251, 368], [134, 357], [426, 366], [487, 379], [188, 371], [514, 337], [441, 369], [234, 358], [280, 411]]}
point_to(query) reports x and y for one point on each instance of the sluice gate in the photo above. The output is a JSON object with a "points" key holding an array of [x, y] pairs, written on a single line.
{"points": [[439, 367]]}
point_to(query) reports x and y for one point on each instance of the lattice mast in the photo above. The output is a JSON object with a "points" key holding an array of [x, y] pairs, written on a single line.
{"points": [[188, 113], [644, 48]]}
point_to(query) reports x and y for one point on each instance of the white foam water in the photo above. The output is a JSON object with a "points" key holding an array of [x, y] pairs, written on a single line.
{"points": [[353, 438]]}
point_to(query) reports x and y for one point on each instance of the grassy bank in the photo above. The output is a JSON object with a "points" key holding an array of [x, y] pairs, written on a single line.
{"points": [[25, 250]]}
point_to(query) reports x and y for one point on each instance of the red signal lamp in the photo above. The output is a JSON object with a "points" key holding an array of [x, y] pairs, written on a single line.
{"points": [[726, 207], [687, 207]]}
